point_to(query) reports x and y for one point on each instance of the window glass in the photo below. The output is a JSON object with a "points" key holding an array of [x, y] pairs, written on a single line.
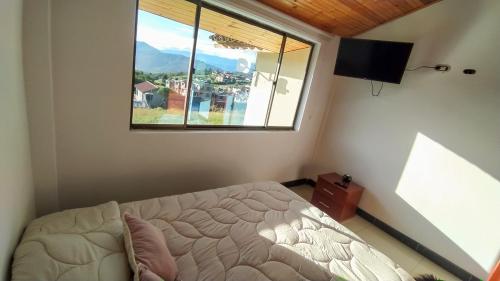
{"points": [[289, 84], [233, 83], [164, 41], [240, 73]]}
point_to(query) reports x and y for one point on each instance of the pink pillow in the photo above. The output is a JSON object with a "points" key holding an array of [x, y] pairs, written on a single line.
{"points": [[150, 249], [148, 275]]}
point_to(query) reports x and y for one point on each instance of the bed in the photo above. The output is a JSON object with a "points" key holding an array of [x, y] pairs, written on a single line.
{"points": [[256, 231]]}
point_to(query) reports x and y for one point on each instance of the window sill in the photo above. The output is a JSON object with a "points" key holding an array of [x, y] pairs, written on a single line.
{"points": [[165, 127]]}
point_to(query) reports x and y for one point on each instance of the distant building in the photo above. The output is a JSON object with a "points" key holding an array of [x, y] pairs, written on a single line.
{"points": [[224, 78], [178, 86], [221, 101], [204, 90], [144, 93]]}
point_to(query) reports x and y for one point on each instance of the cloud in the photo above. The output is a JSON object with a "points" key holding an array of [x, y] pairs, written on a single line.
{"points": [[164, 39]]}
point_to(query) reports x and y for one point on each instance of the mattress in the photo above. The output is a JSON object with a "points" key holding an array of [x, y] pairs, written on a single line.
{"points": [[74, 245], [260, 231]]}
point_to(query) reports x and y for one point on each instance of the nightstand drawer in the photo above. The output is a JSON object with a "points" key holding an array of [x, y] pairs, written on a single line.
{"points": [[327, 205], [332, 192]]}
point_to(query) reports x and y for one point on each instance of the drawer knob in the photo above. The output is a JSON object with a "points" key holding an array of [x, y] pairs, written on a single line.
{"points": [[324, 205], [327, 191]]}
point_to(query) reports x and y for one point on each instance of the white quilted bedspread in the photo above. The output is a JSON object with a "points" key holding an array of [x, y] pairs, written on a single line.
{"points": [[78, 244], [260, 231]]}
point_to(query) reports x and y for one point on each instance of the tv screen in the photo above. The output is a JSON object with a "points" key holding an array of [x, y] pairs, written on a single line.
{"points": [[383, 61]]}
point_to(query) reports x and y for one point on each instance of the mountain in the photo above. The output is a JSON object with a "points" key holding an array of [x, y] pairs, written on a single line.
{"points": [[150, 59], [222, 63]]}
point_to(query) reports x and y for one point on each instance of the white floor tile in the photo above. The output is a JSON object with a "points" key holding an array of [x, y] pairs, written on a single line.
{"points": [[304, 191], [395, 250], [356, 224]]}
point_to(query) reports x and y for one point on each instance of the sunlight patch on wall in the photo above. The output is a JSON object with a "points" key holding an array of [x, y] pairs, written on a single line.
{"points": [[457, 197]]}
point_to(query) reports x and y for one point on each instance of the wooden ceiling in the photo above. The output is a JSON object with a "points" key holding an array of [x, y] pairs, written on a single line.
{"points": [[184, 12], [347, 17]]}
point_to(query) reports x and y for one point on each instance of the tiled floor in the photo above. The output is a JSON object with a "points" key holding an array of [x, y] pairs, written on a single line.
{"points": [[411, 261], [304, 191]]}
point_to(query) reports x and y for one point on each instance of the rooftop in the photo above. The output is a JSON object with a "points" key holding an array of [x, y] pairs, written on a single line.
{"points": [[145, 86]]}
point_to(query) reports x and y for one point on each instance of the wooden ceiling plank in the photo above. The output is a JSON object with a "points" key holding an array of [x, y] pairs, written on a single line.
{"points": [[182, 13], [354, 12], [341, 17], [415, 3], [213, 21], [403, 6], [347, 17], [365, 11], [383, 8]]}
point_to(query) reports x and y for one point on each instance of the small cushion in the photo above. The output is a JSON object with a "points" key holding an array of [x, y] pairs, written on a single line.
{"points": [[148, 275], [147, 249], [73, 245]]}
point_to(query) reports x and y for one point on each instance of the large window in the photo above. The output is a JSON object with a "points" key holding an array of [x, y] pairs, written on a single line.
{"points": [[197, 66]]}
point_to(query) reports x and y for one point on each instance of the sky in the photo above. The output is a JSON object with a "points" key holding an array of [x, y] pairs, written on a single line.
{"points": [[163, 34]]}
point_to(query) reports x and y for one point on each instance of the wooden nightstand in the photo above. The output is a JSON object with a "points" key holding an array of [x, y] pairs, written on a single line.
{"points": [[338, 202]]}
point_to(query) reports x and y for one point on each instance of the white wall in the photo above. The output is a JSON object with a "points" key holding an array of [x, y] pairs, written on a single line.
{"points": [[428, 150], [39, 100], [16, 187], [99, 158]]}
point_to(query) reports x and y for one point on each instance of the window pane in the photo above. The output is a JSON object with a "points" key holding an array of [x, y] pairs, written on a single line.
{"points": [[289, 85], [236, 67], [163, 49]]}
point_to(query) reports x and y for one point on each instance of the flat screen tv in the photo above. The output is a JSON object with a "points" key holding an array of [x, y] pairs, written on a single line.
{"points": [[383, 61]]}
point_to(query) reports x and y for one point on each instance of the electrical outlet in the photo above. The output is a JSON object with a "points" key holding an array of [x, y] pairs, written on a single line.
{"points": [[442, 67]]}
